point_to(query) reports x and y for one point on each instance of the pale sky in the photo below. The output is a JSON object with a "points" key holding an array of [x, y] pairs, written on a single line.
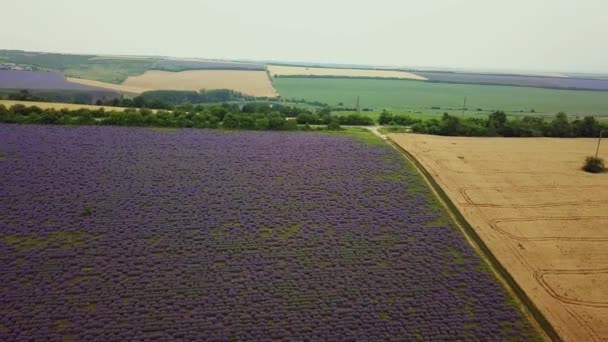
{"points": [[531, 35]]}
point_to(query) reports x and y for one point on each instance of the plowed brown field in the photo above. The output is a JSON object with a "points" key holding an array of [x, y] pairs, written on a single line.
{"points": [[543, 218]]}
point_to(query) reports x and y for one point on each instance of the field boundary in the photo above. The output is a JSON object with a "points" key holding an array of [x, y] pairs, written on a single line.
{"points": [[499, 270]]}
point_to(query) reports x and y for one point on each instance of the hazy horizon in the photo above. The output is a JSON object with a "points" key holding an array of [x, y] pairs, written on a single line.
{"points": [[544, 36]]}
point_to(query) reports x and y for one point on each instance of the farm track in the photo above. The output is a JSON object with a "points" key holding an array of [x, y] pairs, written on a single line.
{"points": [[540, 277], [496, 223], [465, 194], [534, 222]]}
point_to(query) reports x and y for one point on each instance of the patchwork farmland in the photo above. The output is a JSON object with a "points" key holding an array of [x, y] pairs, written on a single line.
{"points": [[543, 218], [111, 233]]}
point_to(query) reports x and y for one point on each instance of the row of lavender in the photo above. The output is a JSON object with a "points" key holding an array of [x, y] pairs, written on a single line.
{"points": [[127, 234]]}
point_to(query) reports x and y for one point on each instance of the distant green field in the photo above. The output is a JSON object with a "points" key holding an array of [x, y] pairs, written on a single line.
{"points": [[421, 96]]}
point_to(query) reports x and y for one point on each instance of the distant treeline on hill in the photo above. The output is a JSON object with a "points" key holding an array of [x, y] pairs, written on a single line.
{"points": [[497, 124]]}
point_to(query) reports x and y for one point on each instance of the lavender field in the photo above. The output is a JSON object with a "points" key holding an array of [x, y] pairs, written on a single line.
{"points": [[574, 83], [41, 80], [110, 233]]}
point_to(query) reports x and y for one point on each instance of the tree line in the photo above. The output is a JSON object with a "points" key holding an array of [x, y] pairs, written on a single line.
{"points": [[156, 99], [497, 124], [274, 116], [168, 99], [324, 117], [251, 116]]}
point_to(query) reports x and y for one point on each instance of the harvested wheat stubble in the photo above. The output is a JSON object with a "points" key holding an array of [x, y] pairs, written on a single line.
{"points": [[249, 82], [254, 83], [58, 105], [542, 217], [117, 87], [305, 71]]}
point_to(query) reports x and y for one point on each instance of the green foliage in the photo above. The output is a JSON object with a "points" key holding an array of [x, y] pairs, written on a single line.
{"points": [[560, 127], [224, 116], [496, 122], [588, 127], [387, 118], [355, 120], [594, 165], [498, 125], [334, 126], [177, 97], [88, 211], [64, 96]]}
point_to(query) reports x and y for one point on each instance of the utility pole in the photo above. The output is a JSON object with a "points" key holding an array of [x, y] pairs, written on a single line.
{"points": [[597, 150], [464, 106]]}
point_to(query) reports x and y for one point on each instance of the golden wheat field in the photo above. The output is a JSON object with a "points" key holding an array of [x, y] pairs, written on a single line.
{"points": [[247, 82], [58, 105], [543, 218], [276, 70], [254, 83], [111, 86]]}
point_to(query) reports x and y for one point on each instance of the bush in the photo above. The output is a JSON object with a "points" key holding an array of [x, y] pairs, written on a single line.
{"points": [[334, 126], [594, 165]]}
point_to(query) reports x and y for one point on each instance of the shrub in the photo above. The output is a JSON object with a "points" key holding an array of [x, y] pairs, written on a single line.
{"points": [[88, 211], [594, 165], [334, 126]]}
